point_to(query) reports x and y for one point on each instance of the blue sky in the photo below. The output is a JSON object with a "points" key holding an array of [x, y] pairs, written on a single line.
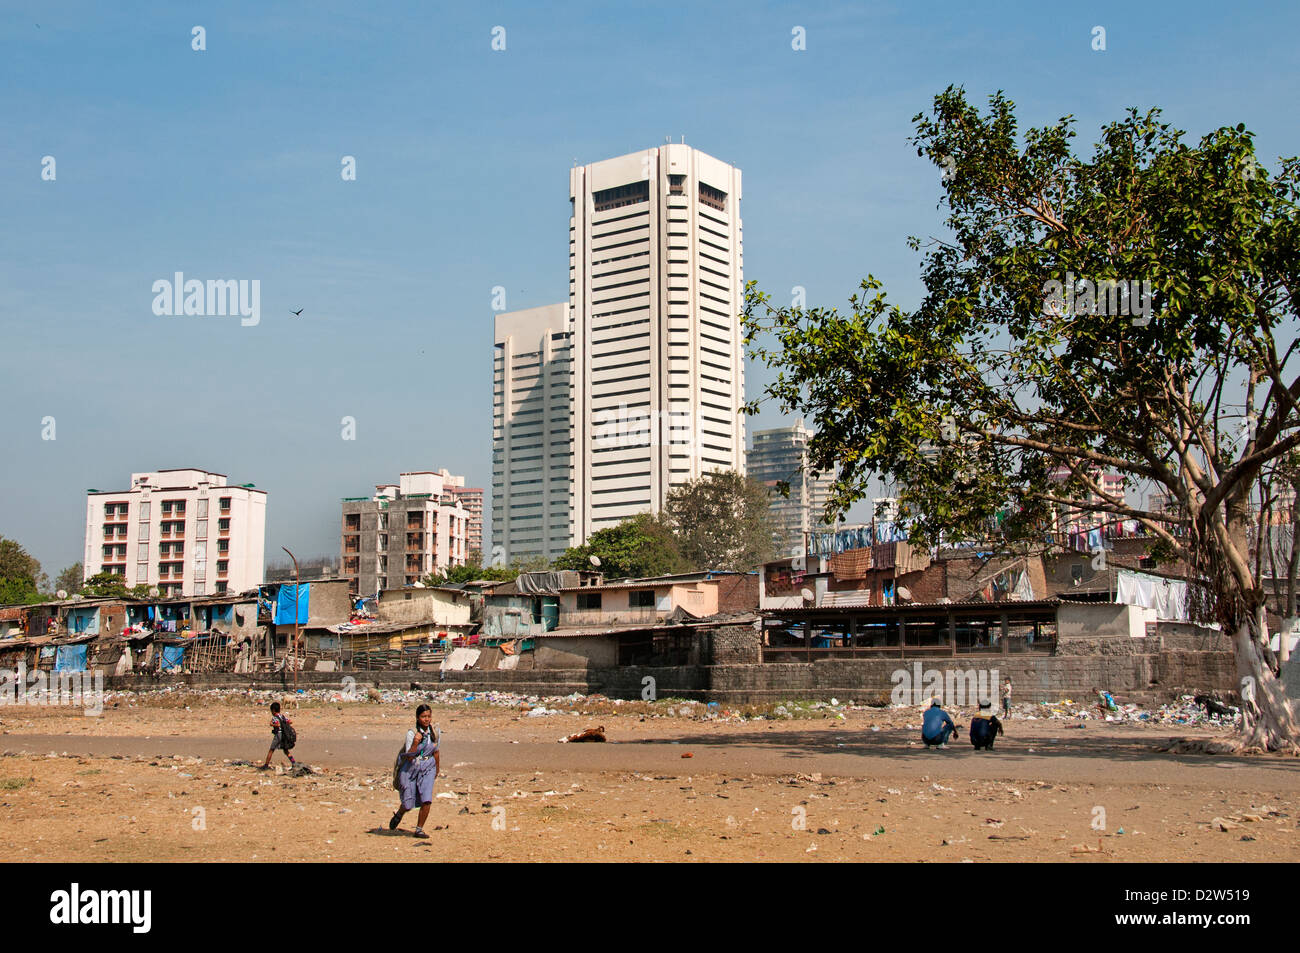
{"points": [[225, 163]]}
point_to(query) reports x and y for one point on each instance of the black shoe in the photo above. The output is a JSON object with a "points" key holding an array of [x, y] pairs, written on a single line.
{"points": [[394, 821]]}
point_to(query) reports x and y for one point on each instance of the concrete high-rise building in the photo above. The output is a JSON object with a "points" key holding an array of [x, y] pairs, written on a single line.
{"points": [[532, 443], [655, 288], [404, 532], [471, 497], [781, 455], [185, 531]]}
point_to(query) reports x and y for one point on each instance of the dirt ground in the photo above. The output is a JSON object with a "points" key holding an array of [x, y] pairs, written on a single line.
{"points": [[159, 778]]}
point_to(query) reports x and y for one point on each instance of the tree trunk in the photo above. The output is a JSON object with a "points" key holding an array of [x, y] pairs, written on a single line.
{"points": [[1267, 720]]}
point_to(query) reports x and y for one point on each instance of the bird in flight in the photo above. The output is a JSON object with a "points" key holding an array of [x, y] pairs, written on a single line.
{"points": [[298, 312]]}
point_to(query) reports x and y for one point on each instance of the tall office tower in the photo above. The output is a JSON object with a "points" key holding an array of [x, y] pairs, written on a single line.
{"points": [[781, 455], [655, 289], [185, 531], [531, 440], [404, 532]]}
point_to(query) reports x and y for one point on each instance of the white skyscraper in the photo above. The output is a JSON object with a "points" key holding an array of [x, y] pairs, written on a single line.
{"points": [[532, 444], [655, 289]]}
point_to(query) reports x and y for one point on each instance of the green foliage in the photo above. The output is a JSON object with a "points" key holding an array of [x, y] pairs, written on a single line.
{"points": [[998, 399], [721, 521], [21, 578], [69, 579], [641, 545], [106, 584]]}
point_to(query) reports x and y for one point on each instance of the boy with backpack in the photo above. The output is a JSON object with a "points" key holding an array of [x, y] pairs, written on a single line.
{"points": [[283, 736]]}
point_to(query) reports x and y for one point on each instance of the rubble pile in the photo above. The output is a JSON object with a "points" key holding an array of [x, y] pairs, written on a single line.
{"points": [[1186, 710]]}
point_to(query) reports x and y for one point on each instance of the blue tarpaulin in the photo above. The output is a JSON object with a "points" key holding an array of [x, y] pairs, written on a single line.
{"points": [[172, 656], [284, 604], [70, 658]]}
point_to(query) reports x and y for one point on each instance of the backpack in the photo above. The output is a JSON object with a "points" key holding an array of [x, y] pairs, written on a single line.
{"points": [[288, 734]]}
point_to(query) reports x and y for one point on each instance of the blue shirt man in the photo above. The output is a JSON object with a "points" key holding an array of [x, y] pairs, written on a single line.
{"points": [[936, 726]]}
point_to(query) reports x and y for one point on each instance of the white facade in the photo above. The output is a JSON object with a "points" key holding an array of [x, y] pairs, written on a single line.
{"points": [[185, 531], [532, 443], [655, 289]]}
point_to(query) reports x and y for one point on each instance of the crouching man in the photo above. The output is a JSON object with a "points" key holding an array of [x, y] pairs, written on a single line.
{"points": [[985, 727], [936, 726]]}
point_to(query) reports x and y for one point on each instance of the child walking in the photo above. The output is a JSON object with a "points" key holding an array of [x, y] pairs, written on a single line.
{"points": [[419, 765], [280, 737]]}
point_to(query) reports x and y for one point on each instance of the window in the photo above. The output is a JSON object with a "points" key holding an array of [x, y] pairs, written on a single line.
{"points": [[222, 566], [223, 525], [607, 199], [1076, 572], [221, 588], [142, 532], [1146, 562], [223, 546], [143, 552], [144, 510], [641, 599], [202, 509], [589, 600], [200, 529], [713, 198], [225, 504]]}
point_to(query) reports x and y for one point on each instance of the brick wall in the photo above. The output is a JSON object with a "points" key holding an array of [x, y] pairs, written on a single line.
{"points": [[738, 593]]}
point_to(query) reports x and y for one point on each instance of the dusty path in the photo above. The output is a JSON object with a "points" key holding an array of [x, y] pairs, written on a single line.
{"points": [[774, 753], [155, 779]]}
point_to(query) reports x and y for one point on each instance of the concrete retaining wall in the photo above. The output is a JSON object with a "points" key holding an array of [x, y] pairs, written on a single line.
{"points": [[1135, 677]]}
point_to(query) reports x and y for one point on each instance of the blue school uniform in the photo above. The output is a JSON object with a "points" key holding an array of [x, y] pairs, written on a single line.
{"points": [[418, 771]]}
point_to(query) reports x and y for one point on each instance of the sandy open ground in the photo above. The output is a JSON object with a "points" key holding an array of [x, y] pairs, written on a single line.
{"points": [[155, 779]]}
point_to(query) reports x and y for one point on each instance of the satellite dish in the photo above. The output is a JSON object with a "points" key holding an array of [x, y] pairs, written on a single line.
{"points": [[594, 560], [153, 592], [61, 594], [904, 594], [807, 594]]}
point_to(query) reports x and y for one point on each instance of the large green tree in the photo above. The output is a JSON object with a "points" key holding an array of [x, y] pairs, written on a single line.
{"points": [[641, 545], [721, 521], [70, 579], [1023, 373], [21, 578]]}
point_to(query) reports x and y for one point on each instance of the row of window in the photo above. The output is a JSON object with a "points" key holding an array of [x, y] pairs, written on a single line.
{"points": [[119, 511]]}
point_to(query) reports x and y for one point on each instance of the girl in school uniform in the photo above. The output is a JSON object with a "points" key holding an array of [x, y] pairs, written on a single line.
{"points": [[419, 767]]}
